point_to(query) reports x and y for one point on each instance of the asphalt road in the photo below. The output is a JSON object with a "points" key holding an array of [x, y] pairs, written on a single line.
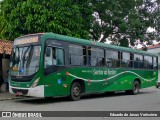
{"points": [[147, 100]]}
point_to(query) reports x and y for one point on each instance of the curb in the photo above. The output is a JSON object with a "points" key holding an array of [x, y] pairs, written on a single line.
{"points": [[10, 98]]}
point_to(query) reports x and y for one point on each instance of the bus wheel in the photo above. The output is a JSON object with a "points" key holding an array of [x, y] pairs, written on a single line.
{"points": [[75, 92], [135, 88]]}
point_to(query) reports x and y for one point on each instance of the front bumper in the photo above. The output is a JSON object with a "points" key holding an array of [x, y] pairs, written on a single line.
{"points": [[35, 92]]}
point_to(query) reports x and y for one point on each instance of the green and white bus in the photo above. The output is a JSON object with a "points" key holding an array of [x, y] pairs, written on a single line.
{"points": [[53, 65]]}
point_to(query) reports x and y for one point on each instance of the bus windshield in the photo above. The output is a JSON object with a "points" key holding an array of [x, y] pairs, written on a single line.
{"points": [[25, 60]]}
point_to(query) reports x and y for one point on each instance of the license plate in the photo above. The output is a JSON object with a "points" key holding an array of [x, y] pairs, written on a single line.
{"points": [[19, 93]]}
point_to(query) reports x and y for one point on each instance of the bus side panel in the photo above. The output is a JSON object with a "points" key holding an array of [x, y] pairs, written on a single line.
{"points": [[97, 80], [126, 79], [110, 79], [55, 84], [149, 78]]}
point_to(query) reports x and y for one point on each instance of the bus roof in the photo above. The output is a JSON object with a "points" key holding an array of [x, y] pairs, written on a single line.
{"points": [[99, 44]]}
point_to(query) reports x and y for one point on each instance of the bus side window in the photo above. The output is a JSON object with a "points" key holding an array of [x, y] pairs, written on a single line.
{"points": [[155, 66], [112, 58], [77, 55], [138, 61], [125, 59], [59, 57], [148, 64], [96, 56], [54, 56]]}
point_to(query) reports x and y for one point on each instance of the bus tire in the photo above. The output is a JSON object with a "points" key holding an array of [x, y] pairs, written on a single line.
{"points": [[75, 91], [135, 88]]}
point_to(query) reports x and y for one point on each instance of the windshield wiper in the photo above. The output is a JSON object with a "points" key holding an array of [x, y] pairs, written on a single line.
{"points": [[25, 56]]}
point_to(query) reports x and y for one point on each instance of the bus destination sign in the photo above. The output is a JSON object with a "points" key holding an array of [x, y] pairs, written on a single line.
{"points": [[26, 40]]}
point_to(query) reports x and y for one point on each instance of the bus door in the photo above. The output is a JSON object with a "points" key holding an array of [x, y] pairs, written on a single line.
{"points": [[54, 66]]}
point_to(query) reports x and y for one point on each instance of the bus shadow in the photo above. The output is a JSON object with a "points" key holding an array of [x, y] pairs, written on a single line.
{"points": [[39, 101], [30, 100], [115, 94], [104, 95], [147, 92]]}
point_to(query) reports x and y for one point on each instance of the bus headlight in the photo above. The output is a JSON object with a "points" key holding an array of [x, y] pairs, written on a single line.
{"points": [[35, 82]]}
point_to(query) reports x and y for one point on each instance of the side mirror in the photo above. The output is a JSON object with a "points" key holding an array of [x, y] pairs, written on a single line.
{"points": [[7, 71], [48, 52]]}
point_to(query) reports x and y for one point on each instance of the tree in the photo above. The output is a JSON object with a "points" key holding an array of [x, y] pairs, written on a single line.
{"points": [[119, 20], [67, 17]]}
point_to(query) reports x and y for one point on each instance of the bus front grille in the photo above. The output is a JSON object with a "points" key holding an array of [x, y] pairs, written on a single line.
{"points": [[20, 91]]}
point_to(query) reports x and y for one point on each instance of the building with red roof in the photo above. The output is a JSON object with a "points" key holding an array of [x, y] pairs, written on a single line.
{"points": [[5, 52]]}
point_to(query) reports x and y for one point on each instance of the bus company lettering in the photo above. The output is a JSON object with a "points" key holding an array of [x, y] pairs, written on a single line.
{"points": [[112, 72], [104, 72], [98, 72]]}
